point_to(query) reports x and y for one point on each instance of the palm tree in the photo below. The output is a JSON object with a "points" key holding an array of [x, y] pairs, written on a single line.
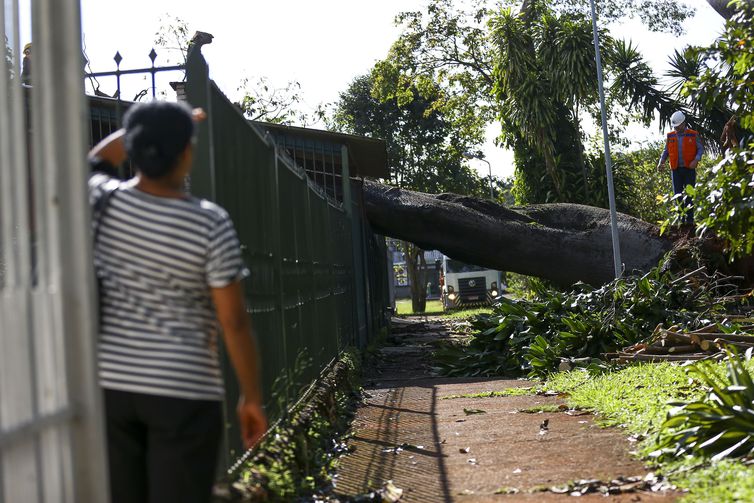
{"points": [[544, 80], [544, 77]]}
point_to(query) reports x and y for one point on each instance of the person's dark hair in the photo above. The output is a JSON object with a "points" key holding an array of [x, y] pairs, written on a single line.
{"points": [[157, 133]]}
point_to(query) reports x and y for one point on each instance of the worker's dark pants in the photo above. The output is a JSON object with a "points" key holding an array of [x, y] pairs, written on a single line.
{"points": [[681, 178], [161, 449]]}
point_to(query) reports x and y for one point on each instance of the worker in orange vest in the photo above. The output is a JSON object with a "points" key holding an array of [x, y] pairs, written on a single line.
{"points": [[684, 149]]}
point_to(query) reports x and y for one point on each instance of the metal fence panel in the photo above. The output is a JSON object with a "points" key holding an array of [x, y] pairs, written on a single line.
{"points": [[51, 432], [307, 255]]}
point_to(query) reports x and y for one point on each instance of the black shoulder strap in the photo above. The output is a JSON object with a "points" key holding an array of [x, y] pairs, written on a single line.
{"points": [[100, 207]]}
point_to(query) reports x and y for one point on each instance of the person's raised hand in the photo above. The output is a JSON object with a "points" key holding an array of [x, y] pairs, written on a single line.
{"points": [[198, 114]]}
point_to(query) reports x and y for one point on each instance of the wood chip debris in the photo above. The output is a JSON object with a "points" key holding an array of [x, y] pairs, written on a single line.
{"points": [[676, 345]]}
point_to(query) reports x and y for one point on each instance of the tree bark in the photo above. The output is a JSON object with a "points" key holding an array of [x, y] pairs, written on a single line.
{"points": [[564, 243], [415, 268], [721, 7]]}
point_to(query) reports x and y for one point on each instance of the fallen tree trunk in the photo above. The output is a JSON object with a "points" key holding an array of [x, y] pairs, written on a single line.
{"points": [[564, 243]]}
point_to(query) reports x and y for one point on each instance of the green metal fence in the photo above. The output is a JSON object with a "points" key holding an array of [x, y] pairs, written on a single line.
{"points": [[318, 275]]}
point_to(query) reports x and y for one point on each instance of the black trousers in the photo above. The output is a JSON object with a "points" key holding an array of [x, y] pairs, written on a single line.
{"points": [[161, 449], [681, 178]]}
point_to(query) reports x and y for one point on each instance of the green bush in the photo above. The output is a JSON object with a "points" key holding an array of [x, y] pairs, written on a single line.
{"points": [[724, 204], [720, 425], [534, 336]]}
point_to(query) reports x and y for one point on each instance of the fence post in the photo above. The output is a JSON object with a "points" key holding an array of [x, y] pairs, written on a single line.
{"points": [[198, 94], [280, 297]]}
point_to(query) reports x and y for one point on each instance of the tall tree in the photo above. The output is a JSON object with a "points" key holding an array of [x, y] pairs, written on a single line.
{"points": [[531, 69], [425, 151]]}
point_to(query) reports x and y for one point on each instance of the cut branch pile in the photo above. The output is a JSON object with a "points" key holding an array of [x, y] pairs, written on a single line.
{"points": [[675, 345]]}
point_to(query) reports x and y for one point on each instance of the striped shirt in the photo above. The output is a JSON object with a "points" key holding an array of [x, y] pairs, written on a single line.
{"points": [[156, 259]]}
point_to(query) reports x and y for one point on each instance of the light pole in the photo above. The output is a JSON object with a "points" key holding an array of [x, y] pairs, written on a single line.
{"points": [[608, 161], [478, 156]]}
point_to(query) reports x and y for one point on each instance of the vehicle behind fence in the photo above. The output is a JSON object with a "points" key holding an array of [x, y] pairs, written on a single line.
{"points": [[318, 274]]}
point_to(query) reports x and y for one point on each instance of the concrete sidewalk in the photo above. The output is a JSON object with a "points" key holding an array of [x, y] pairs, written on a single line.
{"points": [[475, 449]]}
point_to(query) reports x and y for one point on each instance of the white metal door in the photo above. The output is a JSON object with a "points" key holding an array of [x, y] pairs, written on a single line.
{"points": [[51, 428]]}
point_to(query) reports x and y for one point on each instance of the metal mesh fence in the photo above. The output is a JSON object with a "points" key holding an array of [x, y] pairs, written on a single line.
{"points": [[318, 275]]}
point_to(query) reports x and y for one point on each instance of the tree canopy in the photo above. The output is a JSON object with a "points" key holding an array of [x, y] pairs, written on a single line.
{"points": [[425, 148], [532, 70]]}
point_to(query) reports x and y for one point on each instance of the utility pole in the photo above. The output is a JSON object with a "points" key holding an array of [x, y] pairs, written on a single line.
{"points": [[608, 160], [478, 156]]}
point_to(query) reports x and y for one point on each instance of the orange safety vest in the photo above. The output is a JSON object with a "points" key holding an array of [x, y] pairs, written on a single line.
{"points": [[688, 148]]}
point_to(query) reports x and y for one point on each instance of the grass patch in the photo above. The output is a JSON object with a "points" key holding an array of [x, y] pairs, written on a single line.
{"points": [[403, 308], [636, 398], [467, 313], [493, 394], [542, 408]]}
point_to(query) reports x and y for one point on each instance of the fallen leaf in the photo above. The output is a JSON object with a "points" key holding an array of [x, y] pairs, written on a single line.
{"points": [[574, 412], [560, 489], [390, 493]]}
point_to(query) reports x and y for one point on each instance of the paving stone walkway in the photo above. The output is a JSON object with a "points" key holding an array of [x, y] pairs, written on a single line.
{"points": [[474, 449]]}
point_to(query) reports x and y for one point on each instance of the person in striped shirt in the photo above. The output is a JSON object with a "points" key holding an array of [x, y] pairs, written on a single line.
{"points": [[169, 268]]}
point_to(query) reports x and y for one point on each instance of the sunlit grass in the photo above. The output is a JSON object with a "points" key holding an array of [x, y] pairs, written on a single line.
{"points": [[434, 307], [403, 307], [637, 398]]}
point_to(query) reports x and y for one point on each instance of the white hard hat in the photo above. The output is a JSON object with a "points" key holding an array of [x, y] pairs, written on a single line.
{"points": [[677, 118]]}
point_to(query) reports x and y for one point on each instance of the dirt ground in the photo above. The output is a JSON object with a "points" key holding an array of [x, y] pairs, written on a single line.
{"points": [[476, 449]]}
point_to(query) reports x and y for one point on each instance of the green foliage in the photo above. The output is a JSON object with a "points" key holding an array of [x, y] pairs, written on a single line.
{"points": [[290, 384], [727, 481], [635, 397], [278, 105], [532, 69], [642, 185], [535, 335], [659, 15], [544, 71], [723, 203], [173, 35], [728, 76], [298, 456], [425, 148], [724, 198], [493, 394], [720, 425]]}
